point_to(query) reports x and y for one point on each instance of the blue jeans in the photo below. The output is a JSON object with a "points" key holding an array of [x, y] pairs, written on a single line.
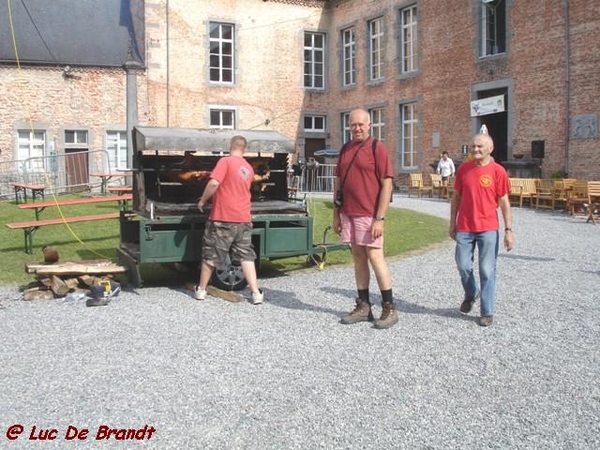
{"points": [[487, 243]]}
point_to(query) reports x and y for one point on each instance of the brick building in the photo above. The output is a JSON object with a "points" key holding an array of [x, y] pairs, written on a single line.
{"points": [[431, 72]]}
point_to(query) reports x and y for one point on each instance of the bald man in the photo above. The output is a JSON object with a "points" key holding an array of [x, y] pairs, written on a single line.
{"points": [[481, 187], [364, 180]]}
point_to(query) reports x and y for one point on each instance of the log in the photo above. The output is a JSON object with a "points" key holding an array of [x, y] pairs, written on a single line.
{"points": [[37, 295], [59, 287]]}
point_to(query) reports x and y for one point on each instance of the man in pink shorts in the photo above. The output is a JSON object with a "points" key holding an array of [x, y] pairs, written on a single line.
{"points": [[362, 192]]}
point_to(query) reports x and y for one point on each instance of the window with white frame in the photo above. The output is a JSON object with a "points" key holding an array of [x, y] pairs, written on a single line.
{"points": [[314, 124], [76, 138], [346, 135], [349, 56], [376, 35], [222, 118], [314, 60], [377, 123], [493, 27], [116, 147], [410, 132], [32, 149], [409, 39], [221, 53]]}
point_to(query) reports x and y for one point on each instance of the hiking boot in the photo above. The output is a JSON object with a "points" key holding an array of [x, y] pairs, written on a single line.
{"points": [[467, 305], [258, 297], [486, 321], [389, 317], [199, 293], [360, 313]]}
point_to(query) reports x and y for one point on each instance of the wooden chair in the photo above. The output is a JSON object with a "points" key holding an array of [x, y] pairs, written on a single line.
{"points": [[578, 197], [515, 196], [437, 185], [417, 185], [562, 189], [545, 194], [593, 188], [450, 188], [414, 183]]}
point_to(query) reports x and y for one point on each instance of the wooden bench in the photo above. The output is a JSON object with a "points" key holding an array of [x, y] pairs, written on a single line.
{"points": [[119, 189], [22, 188], [31, 226], [41, 206]]}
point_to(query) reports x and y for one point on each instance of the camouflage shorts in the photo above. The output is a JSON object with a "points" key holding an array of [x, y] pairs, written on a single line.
{"points": [[226, 238]]}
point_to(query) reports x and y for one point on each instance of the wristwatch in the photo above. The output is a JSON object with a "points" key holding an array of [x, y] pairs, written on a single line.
{"points": [[379, 218]]}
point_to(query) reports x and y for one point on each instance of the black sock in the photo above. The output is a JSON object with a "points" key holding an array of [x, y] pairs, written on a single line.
{"points": [[386, 296], [363, 294]]}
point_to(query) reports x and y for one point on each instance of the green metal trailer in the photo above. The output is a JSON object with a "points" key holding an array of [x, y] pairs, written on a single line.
{"points": [[164, 225]]}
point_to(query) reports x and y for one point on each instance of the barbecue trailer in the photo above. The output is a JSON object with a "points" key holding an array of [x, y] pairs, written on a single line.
{"points": [[171, 167]]}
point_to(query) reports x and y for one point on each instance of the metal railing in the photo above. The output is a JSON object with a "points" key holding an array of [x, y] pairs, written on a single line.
{"points": [[313, 178], [57, 172]]}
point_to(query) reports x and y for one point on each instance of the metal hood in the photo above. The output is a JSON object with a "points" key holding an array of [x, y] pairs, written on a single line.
{"points": [[209, 141]]}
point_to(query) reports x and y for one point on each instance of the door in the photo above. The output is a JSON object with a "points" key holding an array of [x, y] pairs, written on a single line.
{"points": [[76, 166]]}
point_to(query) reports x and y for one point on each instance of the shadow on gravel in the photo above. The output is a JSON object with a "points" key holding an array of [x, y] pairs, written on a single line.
{"points": [[287, 299], [525, 257], [401, 305], [411, 308]]}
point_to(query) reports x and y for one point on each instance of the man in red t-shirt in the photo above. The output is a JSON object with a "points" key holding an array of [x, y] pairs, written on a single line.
{"points": [[480, 187], [229, 227], [364, 175]]}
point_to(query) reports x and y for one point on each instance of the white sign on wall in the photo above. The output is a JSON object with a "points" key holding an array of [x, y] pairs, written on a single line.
{"points": [[485, 106]]}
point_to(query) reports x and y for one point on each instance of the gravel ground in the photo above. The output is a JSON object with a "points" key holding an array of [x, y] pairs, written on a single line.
{"points": [[287, 375]]}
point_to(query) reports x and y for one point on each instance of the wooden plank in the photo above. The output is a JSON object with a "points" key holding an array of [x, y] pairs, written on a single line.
{"points": [[76, 268], [32, 267], [230, 296]]}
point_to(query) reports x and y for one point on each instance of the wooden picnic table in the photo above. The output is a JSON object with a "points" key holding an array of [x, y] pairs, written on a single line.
{"points": [[22, 188], [105, 177]]}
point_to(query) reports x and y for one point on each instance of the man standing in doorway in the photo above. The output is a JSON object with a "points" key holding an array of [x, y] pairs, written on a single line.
{"points": [[481, 186], [362, 192]]}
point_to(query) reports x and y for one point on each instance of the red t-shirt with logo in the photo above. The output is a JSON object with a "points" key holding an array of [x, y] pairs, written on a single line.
{"points": [[480, 187], [362, 186], [231, 202]]}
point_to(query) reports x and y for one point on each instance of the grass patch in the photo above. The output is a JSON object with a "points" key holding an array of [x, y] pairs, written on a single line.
{"points": [[405, 232]]}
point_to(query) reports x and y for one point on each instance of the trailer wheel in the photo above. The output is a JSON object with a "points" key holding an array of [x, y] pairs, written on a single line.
{"points": [[314, 259], [230, 278]]}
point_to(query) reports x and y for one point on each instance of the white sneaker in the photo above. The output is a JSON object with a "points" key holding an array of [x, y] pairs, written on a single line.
{"points": [[258, 297], [199, 293]]}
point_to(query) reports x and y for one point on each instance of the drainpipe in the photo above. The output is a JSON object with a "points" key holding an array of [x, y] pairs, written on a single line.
{"points": [[131, 67], [167, 61], [567, 87]]}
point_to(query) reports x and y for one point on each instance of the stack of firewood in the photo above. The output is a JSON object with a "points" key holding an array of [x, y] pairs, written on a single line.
{"points": [[59, 279]]}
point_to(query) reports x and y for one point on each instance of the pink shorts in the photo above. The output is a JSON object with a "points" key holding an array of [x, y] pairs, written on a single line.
{"points": [[357, 230]]}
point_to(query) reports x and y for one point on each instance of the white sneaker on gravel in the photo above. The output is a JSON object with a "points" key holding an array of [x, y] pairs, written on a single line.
{"points": [[199, 293], [258, 297]]}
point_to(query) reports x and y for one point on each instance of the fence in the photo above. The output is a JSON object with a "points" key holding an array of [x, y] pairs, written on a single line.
{"points": [[57, 172]]}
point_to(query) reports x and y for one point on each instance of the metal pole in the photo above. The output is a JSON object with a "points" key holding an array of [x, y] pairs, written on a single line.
{"points": [[131, 68]]}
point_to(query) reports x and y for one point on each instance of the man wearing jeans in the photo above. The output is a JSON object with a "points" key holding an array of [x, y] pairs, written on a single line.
{"points": [[481, 186]]}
